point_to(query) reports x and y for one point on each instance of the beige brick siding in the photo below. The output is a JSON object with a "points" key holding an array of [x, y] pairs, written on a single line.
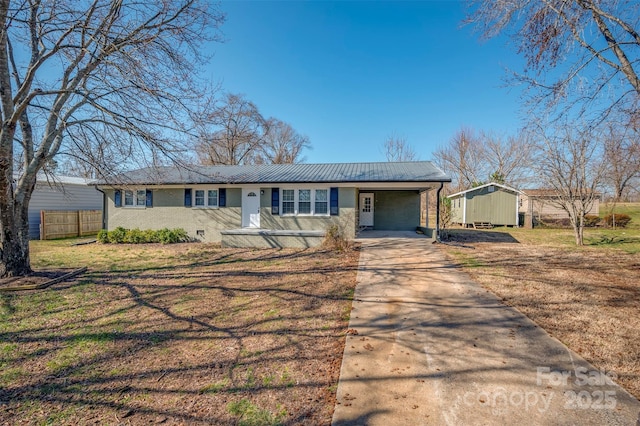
{"points": [[271, 241], [346, 217], [168, 211]]}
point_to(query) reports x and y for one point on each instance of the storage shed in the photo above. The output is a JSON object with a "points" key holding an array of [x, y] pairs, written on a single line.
{"points": [[486, 205]]}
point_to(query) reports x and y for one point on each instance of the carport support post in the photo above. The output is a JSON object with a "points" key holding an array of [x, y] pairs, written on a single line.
{"points": [[438, 212]]}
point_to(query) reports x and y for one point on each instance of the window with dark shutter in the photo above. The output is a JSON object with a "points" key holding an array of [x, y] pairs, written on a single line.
{"points": [[117, 198], [334, 202], [222, 197], [187, 197], [275, 201], [149, 198]]}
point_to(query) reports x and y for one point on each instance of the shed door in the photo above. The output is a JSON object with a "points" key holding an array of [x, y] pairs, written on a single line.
{"points": [[366, 209], [250, 207]]}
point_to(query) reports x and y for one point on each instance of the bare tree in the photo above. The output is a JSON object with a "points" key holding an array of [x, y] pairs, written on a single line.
{"points": [[570, 163], [462, 159], [508, 158], [582, 53], [282, 144], [471, 159], [114, 77], [231, 133], [622, 155], [396, 148]]}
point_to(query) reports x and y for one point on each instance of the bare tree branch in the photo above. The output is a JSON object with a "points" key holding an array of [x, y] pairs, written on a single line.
{"points": [[282, 144], [461, 158], [581, 56], [396, 148], [569, 162], [111, 82]]}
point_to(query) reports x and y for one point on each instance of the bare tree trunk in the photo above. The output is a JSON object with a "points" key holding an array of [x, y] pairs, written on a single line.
{"points": [[14, 217], [578, 230], [14, 256], [108, 82]]}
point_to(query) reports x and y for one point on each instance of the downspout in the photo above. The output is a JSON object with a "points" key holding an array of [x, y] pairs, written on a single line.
{"points": [[438, 212], [104, 203]]}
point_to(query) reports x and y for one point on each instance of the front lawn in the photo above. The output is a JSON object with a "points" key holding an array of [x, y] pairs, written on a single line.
{"points": [[176, 334], [587, 297]]}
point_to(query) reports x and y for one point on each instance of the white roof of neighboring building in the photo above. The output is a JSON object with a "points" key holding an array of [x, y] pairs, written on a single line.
{"points": [[73, 180], [58, 179]]}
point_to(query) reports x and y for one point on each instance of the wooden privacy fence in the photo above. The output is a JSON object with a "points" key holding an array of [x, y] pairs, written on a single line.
{"points": [[69, 223]]}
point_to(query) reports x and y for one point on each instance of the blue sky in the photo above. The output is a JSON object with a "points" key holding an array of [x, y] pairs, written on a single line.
{"points": [[349, 74]]}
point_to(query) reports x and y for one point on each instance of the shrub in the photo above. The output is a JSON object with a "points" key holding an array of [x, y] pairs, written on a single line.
{"points": [[151, 236], [136, 236], [621, 220], [171, 236], [103, 236], [117, 236], [553, 222], [591, 220], [335, 238]]}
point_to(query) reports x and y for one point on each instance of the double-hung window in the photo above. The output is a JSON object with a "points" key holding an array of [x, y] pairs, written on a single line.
{"points": [[288, 201], [305, 201], [322, 201], [135, 198], [205, 198]]}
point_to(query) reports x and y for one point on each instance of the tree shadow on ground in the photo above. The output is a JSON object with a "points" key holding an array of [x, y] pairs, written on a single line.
{"points": [[179, 344], [466, 236]]}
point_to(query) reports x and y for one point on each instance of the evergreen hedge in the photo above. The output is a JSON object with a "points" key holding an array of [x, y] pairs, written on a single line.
{"points": [[121, 235]]}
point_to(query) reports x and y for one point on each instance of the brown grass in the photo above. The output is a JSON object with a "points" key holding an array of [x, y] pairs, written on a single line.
{"points": [[588, 298], [180, 334]]}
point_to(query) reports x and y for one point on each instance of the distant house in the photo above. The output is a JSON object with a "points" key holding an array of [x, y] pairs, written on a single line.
{"points": [[486, 205], [61, 193], [271, 205], [541, 204]]}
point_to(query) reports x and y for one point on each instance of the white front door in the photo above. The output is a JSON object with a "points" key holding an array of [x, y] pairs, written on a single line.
{"points": [[366, 209], [251, 207]]}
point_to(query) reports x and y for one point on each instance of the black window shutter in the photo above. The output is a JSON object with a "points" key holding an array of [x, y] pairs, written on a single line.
{"points": [[222, 197], [117, 198], [275, 201], [334, 201], [187, 197], [149, 198]]}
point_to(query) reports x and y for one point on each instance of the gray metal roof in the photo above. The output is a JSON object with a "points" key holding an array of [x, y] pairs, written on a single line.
{"points": [[417, 171], [477, 188]]}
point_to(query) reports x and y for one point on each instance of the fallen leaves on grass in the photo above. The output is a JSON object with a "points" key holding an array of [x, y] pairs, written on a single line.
{"points": [[184, 334], [589, 299]]}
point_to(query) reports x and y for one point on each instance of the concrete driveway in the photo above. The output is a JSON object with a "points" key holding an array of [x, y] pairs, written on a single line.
{"points": [[426, 345]]}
